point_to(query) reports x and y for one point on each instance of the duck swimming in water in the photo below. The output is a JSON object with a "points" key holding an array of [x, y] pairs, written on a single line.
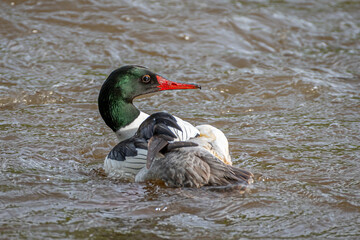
{"points": [[161, 146]]}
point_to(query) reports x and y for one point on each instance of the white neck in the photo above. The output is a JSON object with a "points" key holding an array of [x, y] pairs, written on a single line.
{"points": [[129, 130]]}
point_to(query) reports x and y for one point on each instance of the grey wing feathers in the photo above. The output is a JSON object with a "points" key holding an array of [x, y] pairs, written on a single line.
{"points": [[195, 167], [178, 172]]}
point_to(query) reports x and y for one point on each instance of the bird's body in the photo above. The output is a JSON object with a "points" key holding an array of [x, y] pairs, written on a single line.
{"points": [[161, 146]]}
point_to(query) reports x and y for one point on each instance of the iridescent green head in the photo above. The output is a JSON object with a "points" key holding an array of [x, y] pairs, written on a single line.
{"points": [[122, 86]]}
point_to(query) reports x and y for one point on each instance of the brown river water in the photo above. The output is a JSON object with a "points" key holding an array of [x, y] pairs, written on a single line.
{"points": [[280, 78]]}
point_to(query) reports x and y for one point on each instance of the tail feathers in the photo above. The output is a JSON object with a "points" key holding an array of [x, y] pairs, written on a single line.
{"points": [[242, 174], [223, 174]]}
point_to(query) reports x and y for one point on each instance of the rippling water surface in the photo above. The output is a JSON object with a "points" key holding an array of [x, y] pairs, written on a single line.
{"points": [[280, 78]]}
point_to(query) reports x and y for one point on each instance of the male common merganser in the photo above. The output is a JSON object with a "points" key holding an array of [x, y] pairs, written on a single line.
{"points": [[161, 146]]}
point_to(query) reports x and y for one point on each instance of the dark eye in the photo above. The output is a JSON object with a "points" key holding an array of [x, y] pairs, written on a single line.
{"points": [[145, 79]]}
